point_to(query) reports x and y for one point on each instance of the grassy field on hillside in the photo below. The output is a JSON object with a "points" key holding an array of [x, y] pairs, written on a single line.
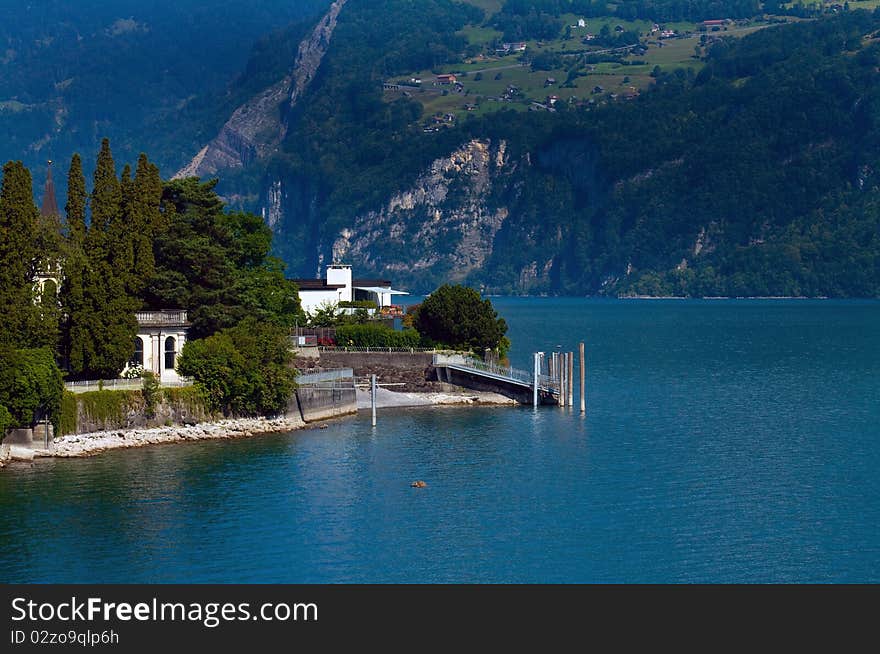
{"points": [[485, 81]]}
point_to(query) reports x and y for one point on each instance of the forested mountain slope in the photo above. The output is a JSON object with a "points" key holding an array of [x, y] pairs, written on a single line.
{"points": [[150, 75], [754, 176], [579, 146]]}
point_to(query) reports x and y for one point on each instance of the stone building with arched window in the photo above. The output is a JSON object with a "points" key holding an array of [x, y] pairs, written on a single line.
{"points": [[160, 338]]}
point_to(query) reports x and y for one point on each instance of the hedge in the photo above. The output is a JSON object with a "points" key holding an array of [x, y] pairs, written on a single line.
{"points": [[375, 335]]}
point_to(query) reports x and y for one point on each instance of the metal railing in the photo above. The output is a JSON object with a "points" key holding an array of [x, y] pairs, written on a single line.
{"points": [[88, 385], [324, 376], [465, 361], [377, 350]]}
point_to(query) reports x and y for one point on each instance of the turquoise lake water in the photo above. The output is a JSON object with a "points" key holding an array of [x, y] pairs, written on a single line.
{"points": [[725, 441]]}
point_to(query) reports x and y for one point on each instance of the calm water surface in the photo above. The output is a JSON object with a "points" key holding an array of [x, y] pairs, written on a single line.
{"points": [[724, 441]]}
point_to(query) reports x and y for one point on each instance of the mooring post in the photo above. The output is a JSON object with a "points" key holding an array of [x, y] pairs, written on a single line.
{"points": [[537, 373], [562, 381], [373, 397], [583, 378], [571, 379]]}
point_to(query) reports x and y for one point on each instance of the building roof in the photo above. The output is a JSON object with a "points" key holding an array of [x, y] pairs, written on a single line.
{"points": [[371, 282], [316, 285], [322, 285], [50, 204]]}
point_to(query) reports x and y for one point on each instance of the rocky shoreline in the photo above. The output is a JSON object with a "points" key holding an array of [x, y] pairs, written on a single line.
{"points": [[90, 444], [74, 445]]}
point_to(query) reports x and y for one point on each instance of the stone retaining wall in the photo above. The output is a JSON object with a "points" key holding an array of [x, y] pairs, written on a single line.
{"points": [[414, 370]]}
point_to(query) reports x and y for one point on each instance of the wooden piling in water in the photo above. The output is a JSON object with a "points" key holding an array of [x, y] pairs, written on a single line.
{"points": [[571, 379], [563, 369], [373, 397], [537, 373], [583, 377]]}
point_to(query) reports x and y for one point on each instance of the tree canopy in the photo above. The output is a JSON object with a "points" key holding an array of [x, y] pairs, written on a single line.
{"points": [[457, 317], [30, 386], [216, 264]]}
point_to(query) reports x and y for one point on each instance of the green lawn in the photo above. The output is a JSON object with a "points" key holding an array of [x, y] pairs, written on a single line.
{"points": [[480, 35]]}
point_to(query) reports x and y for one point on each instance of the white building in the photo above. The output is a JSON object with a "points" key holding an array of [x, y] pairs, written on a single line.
{"points": [[339, 286], [161, 336]]}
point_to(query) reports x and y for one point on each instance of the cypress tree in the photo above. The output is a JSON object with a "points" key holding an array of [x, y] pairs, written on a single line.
{"points": [[145, 218], [19, 317], [106, 205], [76, 202], [76, 343], [122, 234], [102, 325]]}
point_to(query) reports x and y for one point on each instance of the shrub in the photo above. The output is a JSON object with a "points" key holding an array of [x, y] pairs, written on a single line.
{"points": [[152, 392], [244, 370], [30, 386], [376, 335], [69, 418]]}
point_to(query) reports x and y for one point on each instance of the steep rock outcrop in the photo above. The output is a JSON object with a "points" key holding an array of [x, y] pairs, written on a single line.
{"points": [[256, 128], [442, 227]]}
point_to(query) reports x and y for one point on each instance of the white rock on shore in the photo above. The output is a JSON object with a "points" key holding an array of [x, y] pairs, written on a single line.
{"points": [[387, 399], [99, 441]]}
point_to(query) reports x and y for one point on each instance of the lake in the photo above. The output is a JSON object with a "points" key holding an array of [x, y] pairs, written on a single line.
{"points": [[724, 441]]}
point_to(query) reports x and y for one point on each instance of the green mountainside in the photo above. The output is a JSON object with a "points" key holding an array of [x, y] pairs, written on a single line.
{"points": [[72, 72], [628, 149]]}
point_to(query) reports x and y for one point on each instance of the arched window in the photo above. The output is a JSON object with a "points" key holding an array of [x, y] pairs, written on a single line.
{"points": [[138, 358], [170, 352]]}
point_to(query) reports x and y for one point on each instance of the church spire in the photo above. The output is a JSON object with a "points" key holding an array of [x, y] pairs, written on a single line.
{"points": [[50, 204]]}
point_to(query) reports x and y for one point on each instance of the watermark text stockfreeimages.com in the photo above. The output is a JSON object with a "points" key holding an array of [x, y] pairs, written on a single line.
{"points": [[209, 614]]}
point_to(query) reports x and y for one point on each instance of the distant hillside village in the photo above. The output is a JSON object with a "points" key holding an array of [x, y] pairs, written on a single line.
{"points": [[619, 54]]}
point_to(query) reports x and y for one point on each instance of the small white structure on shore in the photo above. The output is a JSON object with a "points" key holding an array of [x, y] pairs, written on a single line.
{"points": [[339, 286], [161, 336]]}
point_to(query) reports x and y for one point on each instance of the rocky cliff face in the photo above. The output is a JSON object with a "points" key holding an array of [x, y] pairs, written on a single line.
{"points": [[442, 227], [256, 128]]}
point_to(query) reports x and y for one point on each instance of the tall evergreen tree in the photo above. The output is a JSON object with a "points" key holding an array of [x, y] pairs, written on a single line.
{"points": [[106, 205], [102, 325], [146, 215], [76, 201], [76, 344], [19, 317]]}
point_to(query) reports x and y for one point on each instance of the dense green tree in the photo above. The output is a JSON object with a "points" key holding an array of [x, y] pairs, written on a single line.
{"points": [[30, 385], [19, 318], [77, 197], [76, 346], [145, 217], [456, 316], [243, 370], [101, 324], [105, 229], [216, 264]]}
